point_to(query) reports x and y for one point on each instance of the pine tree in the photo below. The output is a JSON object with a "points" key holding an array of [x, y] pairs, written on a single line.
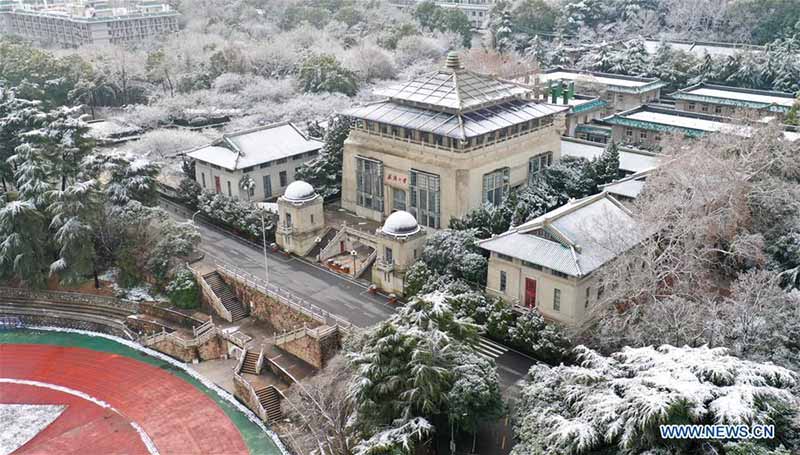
{"points": [[17, 116], [74, 212], [325, 172], [22, 243], [606, 167]]}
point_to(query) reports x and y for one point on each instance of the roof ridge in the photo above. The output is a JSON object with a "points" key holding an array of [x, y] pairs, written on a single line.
{"points": [[567, 209]]}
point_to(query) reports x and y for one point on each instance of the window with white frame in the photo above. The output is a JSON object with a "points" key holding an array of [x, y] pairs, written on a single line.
{"points": [[369, 183], [556, 299], [503, 281], [537, 165], [425, 198], [495, 186]]}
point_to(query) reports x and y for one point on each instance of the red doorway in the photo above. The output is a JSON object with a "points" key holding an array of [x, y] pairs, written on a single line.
{"points": [[217, 184], [530, 293], [341, 247]]}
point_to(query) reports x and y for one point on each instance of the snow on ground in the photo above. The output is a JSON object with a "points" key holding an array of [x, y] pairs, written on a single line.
{"points": [[140, 293], [19, 423]]}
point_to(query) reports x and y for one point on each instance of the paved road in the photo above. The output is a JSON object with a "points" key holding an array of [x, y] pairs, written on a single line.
{"points": [[334, 293]]}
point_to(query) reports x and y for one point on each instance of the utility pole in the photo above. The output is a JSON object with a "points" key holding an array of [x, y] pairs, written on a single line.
{"points": [[264, 241]]}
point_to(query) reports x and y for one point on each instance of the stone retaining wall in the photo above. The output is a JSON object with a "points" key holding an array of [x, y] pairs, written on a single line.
{"points": [[313, 350], [32, 320], [280, 316], [212, 349]]}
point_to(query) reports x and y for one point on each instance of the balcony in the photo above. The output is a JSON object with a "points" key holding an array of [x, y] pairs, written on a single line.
{"points": [[385, 266]]}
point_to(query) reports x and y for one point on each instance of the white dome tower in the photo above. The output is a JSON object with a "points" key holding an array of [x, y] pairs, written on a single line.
{"points": [[400, 243], [301, 218]]}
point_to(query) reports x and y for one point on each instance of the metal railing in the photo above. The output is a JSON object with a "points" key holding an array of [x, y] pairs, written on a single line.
{"points": [[281, 295]]}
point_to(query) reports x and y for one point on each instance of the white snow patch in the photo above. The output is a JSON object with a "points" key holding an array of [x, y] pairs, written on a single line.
{"points": [[19, 423], [151, 448], [222, 393]]}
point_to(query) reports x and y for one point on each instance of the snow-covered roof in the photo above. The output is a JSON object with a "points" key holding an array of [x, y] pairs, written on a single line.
{"points": [[400, 223], [700, 48], [611, 81], [575, 239], [299, 191], [720, 94], [629, 187], [630, 160], [256, 146], [688, 123], [456, 126], [111, 130], [454, 89]]}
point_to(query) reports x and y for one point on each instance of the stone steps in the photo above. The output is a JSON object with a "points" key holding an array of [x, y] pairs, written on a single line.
{"points": [[226, 296]]}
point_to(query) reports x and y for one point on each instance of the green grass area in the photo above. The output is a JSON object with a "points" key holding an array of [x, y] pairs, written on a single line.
{"points": [[257, 441]]}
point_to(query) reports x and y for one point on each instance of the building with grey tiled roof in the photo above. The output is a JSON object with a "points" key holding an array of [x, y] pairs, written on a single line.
{"points": [[550, 263], [444, 143]]}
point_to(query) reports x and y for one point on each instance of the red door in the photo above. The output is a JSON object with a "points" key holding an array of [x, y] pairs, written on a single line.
{"points": [[217, 184], [341, 247], [530, 293]]}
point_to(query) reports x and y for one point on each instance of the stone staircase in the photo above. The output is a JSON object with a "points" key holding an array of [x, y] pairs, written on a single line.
{"points": [[270, 400], [226, 295], [250, 364]]}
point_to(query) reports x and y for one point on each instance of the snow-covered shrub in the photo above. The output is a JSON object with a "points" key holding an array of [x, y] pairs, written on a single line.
{"points": [[616, 404], [415, 48], [146, 116], [231, 82], [370, 62], [243, 218], [261, 90], [164, 142], [546, 341], [182, 290], [324, 73]]}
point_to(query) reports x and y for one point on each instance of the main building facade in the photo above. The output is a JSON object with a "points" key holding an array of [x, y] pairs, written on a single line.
{"points": [[445, 143]]}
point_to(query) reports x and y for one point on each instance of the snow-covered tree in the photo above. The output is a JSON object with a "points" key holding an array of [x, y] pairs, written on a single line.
{"points": [[617, 403], [455, 253], [17, 116], [606, 167], [130, 178], [73, 214], [325, 172], [22, 243], [324, 73]]}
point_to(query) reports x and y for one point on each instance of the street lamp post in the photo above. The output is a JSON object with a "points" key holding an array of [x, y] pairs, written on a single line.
{"points": [[195, 214], [318, 240], [354, 253], [264, 245]]}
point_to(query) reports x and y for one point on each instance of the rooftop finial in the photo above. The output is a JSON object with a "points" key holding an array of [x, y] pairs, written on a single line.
{"points": [[453, 61]]}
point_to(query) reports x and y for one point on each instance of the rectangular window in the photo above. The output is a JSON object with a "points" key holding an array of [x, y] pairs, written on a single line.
{"points": [[280, 161], [398, 199], [425, 198], [369, 183], [690, 107], [718, 109], [537, 165], [588, 292], [229, 188], [267, 180], [629, 133], [556, 299], [505, 257], [267, 164], [503, 281], [388, 256], [495, 186], [643, 134], [283, 179], [203, 175]]}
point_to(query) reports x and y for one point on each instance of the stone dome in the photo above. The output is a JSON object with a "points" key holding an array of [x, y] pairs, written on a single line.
{"points": [[299, 191], [400, 223]]}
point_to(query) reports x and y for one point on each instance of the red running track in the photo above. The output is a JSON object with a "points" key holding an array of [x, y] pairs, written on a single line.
{"points": [[178, 418]]}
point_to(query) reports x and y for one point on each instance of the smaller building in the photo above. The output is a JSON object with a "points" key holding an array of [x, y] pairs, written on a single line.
{"points": [[628, 189], [631, 160], [399, 243], [645, 126], [477, 11], [733, 101], [301, 219], [618, 91], [255, 164], [550, 263]]}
